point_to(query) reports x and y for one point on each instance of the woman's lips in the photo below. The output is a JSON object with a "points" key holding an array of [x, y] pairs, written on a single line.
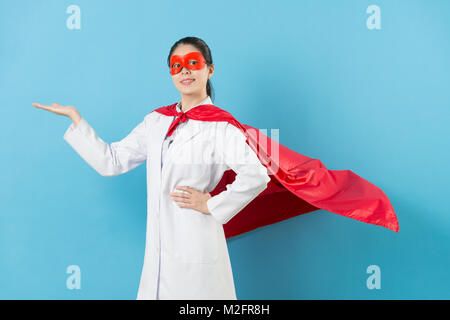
{"points": [[187, 82]]}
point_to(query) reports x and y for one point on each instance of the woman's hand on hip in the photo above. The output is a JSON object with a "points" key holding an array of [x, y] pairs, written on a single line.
{"points": [[191, 198]]}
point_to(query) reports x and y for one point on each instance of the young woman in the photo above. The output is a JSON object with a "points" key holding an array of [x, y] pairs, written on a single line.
{"points": [[186, 254]]}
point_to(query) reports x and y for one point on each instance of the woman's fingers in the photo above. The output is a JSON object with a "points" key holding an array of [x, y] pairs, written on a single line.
{"points": [[55, 108], [185, 188], [184, 200], [45, 107], [183, 197], [191, 198], [180, 197], [38, 105]]}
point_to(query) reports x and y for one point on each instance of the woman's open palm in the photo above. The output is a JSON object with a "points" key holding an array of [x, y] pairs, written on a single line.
{"points": [[67, 111]]}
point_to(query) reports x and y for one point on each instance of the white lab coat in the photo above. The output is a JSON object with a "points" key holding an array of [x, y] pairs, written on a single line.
{"points": [[186, 253]]}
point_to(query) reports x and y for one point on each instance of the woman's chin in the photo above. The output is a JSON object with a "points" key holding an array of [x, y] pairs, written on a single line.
{"points": [[189, 91]]}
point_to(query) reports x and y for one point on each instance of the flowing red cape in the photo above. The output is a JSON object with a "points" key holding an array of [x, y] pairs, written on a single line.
{"points": [[298, 184]]}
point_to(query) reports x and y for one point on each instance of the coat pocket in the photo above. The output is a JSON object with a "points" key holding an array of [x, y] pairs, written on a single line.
{"points": [[196, 237]]}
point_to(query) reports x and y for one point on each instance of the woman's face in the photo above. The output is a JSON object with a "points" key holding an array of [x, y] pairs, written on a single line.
{"points": [[196, 79]]}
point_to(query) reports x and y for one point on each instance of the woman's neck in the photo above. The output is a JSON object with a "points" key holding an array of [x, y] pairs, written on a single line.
{"points": [[188, 102]]}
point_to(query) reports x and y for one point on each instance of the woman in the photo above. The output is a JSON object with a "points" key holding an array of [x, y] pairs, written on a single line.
{"points": [[186, 254]]}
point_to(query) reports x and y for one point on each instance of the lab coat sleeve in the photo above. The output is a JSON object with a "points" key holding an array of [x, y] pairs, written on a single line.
{"points": [[109, 159], [251, 176]]}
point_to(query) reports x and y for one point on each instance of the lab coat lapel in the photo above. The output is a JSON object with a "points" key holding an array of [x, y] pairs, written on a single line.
{"points": [[155, 152], [190, 130]]}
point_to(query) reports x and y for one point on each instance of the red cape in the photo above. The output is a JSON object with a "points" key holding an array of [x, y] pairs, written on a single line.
{"points": [[298, 185]]}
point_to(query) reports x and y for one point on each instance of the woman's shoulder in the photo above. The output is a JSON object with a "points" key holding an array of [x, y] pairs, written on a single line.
{"points": [[157, 113], [222, 129]]}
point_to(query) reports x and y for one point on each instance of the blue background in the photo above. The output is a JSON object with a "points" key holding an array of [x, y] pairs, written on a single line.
{"points": [[373, 101]]}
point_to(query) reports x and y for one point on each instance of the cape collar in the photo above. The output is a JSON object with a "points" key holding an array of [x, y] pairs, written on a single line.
{"points": [[207, 100]]}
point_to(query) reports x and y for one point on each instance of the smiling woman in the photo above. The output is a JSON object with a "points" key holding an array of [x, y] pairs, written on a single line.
{"points": [[191, 67], [186, 254]]}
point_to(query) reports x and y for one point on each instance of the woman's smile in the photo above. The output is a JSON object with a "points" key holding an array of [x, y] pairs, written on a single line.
{"points": [[187, 81]]}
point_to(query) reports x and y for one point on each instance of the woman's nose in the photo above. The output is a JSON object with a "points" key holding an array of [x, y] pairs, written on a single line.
{"points": [[185, 70]]}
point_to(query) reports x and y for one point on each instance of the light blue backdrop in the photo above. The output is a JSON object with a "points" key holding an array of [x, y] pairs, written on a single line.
{"points": [[372, 101]]}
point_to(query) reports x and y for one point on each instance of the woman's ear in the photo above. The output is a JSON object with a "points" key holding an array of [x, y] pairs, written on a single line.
{"points": [[211, 71]]}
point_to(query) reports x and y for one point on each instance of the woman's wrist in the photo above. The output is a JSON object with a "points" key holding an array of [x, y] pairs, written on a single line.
{"points": [[208, 196], [75, 116]]}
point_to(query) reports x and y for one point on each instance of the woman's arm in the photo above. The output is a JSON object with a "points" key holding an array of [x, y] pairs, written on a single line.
{"points": [[251, 176], [108, 159]]}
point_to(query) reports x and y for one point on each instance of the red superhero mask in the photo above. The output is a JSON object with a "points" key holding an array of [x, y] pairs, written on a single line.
{"points": [[191, 61]]}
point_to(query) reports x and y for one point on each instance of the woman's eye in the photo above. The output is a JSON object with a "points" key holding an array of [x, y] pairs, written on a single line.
{"points": [[193, 62], [175, 65]]}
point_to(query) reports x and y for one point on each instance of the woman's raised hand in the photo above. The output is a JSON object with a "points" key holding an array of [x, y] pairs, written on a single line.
{"points": [[68, 111], [57, 108]]}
